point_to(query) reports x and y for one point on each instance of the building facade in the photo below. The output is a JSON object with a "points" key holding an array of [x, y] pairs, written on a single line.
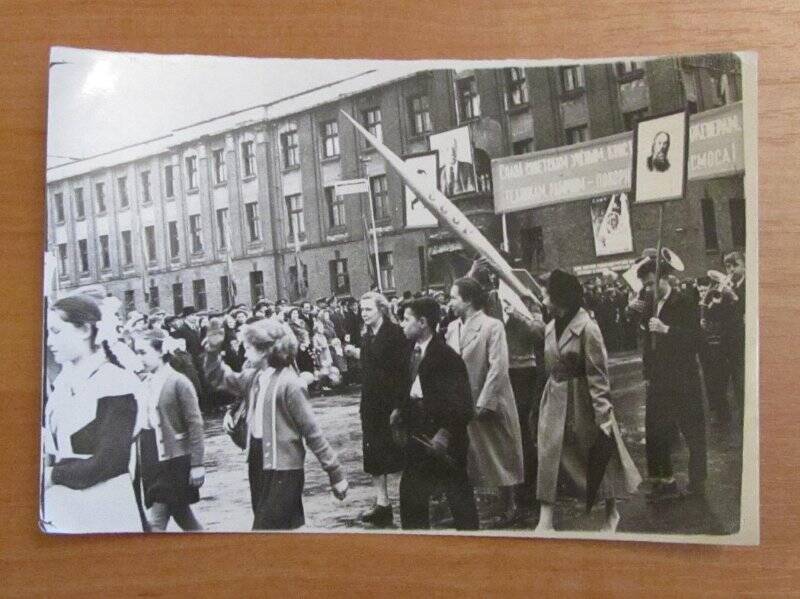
{"points": [[245, 203]]}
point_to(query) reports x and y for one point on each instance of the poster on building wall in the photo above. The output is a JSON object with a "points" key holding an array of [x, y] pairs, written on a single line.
{"points": [[456, 161], [426, 165], [611, 225], [661, 150]]}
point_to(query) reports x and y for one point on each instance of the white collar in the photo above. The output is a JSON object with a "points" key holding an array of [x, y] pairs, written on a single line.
{"points": [[75, 376]]}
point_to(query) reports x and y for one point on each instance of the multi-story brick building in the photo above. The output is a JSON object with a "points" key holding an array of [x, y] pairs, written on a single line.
{"points": [[250, 195]]}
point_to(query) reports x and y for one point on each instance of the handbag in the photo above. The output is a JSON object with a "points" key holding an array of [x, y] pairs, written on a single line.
{"points": [[238, 432]]}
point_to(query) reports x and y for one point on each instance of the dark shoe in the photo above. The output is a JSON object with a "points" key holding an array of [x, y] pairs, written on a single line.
{"points": [[508, 519], [664, 492], [379, 516]]}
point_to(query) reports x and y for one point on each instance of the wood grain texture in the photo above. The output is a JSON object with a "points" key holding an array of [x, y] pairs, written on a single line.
{"points": [[34, 564]]}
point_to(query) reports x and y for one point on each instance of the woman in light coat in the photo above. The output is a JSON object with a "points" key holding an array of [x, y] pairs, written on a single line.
{"points": [[495, 440], [576, 408]]}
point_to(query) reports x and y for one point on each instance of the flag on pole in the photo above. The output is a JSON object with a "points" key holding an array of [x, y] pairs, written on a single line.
{"points": [[373, 275], [232, 291], [143, 252], [351, 186], [298, 265]]}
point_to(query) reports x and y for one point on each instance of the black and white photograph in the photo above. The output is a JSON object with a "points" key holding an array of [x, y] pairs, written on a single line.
{"points": [[401, 297], [611, 225]]}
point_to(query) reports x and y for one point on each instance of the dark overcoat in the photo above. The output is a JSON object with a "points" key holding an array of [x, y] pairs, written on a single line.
{"points": [[384, 374], [446, 404]]}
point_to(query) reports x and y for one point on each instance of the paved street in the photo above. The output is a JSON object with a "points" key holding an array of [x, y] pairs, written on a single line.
{"points": [[225, 499]]}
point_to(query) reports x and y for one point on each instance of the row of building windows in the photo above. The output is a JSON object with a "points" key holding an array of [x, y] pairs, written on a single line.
{"points": [[532, 252], [150, 244], [296, 223], [336, 209], [338, 270], [219, 172], [468, 108]]}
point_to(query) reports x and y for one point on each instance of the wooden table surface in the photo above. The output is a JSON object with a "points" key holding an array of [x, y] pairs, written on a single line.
{"points": [[34, 564]]}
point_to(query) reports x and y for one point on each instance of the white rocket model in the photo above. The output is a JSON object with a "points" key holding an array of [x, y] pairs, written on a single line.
{"points": [[448, 214]]}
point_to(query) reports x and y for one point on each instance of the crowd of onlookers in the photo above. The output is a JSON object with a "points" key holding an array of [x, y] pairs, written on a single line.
{"points": [[325, 328]]}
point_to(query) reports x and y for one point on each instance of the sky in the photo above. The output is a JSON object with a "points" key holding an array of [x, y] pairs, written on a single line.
{"points": [[99, 101]]}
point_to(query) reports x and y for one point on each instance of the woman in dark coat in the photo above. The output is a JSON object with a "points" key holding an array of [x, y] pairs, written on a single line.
{"points": [[384, 356]]}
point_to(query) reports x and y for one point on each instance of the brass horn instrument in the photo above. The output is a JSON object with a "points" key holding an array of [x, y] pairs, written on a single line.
{"points": [[719, 282], [672, 259]]}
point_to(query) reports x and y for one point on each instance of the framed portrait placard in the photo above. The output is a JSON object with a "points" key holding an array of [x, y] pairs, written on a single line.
{"points": [[456, 173], [425, 164], [660, 157]]}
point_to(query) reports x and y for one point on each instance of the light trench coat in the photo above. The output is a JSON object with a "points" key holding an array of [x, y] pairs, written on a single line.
{"points": [[495, 443], [576, 402]]}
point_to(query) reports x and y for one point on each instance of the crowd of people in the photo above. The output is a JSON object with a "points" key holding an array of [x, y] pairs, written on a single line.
{"points": [[459, 390]]}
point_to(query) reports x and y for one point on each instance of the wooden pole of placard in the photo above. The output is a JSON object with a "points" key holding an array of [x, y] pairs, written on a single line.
{"points": [[658, 269]]}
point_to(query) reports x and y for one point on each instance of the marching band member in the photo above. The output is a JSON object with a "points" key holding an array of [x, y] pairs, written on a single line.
{"points": [[712, 358], [733, 330], [673, 381]]}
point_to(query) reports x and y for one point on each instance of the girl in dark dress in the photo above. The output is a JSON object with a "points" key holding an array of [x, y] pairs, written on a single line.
{"points": [[171, 449], [280, 423]]}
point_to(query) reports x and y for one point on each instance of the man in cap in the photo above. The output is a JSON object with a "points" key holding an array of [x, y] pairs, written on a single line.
{"points": [[670, 328]]}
